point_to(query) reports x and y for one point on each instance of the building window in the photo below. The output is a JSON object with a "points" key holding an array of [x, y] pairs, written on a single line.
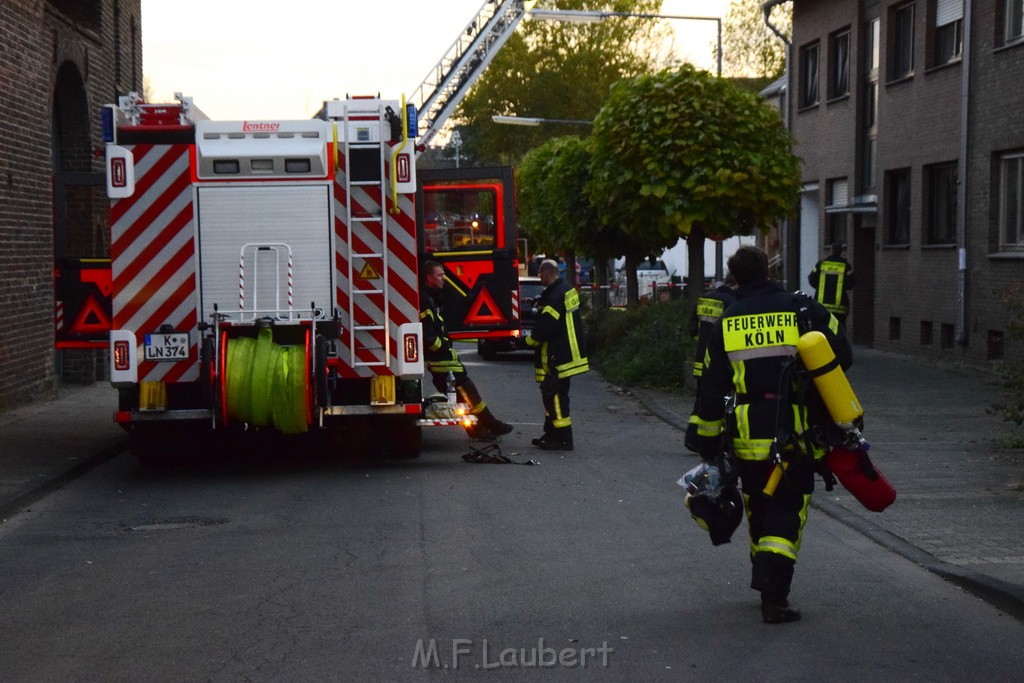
{"points": [[839, 64], [867, 162], [809, 75], [1011, 211], [1013, 20], [949, 25], [941, 206], [869, 129], [835, 220], [894, 329], [902, 42], [897, 201]]}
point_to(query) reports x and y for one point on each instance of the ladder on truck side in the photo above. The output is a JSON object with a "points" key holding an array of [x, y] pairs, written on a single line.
{"points": [[369, 224], [464, 62]]}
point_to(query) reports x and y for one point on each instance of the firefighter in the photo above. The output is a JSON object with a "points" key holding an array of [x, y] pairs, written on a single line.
{"points": [[560, 354], [708, 310], [751, 357], [442, 358], [832, 279]]}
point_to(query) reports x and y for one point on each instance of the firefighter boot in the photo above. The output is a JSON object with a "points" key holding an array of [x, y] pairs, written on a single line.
{"points": [[488, 427], [558, 440], [492, 423], [776, 610]]}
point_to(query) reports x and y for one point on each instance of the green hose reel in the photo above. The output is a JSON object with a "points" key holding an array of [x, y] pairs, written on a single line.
{"points": [[266, 383]]}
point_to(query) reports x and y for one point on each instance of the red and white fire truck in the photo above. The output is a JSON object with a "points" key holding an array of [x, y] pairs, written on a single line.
{"points": [[264, 273]]}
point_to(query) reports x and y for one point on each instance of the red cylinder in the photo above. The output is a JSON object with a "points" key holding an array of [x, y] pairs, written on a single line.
{"points": [[860, 477]]}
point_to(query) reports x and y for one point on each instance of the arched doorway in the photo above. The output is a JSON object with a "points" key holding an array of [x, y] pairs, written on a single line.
{"points": [[80, 232]]}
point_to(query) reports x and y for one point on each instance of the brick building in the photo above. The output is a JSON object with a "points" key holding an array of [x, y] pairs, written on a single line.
{"points": [[927, 193], [60, 61]]}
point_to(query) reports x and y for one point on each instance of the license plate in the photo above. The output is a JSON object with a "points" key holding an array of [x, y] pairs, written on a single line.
{"points": [[166, 346]]}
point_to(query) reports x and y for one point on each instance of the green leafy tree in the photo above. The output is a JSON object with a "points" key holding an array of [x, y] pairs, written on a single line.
{"points": [[555, 70], [749, 48], [556, 210], [683, 153]]}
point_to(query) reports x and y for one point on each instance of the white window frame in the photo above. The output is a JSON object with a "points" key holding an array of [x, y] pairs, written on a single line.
{"points": [[949, 19], [898, 46], [1013, 20], [1011, 162]]}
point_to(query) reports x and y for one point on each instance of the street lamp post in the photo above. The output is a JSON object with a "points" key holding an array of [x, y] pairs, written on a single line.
{"points": [[533, 121], [456, 142], [589, 17]]}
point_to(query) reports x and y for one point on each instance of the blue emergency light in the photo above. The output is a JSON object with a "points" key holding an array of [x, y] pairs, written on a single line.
{"points": [[107, 123], [412, 116]]}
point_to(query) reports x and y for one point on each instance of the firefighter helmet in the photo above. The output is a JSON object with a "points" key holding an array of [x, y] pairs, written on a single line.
{"points": [[437, 407], [719, 515]]}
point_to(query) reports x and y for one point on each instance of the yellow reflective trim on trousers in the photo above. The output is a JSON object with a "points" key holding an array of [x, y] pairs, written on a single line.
{"points": [[803, 520], [776, 544], [833, 324], [560, 420]]}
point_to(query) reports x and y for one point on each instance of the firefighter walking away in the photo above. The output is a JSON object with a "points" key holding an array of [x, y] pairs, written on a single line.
{"points": [[755, 407]]}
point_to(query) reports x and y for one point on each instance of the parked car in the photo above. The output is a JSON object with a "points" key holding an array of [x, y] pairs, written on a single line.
{"points": [[529, 289]]}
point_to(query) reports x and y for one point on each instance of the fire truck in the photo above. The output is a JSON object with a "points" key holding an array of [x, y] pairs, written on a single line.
{"points": [[264, 274]]}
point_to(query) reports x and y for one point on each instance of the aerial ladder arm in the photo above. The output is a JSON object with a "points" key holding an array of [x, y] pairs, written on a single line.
{"points": [[447, 83]]}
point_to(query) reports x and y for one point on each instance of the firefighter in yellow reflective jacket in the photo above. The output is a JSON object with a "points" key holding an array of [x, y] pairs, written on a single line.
{"points": [[709, 308], [832, 279], [442, 358], [751, 355], [560, 354]]}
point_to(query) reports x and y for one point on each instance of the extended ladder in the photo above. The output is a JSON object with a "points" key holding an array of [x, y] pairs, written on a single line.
{"points": [[366, 221], [447, 83]]}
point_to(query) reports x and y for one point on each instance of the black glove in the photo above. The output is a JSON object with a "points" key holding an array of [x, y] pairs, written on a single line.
{"points": [[710, 447]]}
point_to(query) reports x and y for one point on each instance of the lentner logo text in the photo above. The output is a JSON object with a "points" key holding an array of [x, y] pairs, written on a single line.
{"points": [[260, 127]]}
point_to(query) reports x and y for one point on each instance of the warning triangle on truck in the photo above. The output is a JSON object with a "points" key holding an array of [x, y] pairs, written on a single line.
{"points": [[484, 311], [368, 272], [92, 318]]}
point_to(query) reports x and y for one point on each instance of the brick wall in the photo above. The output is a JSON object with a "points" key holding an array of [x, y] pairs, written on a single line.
{"points": [[915, 288], [37, 39]]}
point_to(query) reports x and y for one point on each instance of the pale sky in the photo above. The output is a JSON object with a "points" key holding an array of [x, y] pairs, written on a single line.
{"points": [[281, 60]]}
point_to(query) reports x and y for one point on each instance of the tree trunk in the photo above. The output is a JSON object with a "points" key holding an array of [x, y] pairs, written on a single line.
{"points": [[632, 286], [695, 257], [600, 295]]}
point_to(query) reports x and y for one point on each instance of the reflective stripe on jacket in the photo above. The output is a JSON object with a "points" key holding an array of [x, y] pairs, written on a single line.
{"points": [[749, 353], [557, 335]]}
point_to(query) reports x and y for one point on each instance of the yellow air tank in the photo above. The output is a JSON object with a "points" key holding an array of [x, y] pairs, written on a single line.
{"points": [[833, 385]]}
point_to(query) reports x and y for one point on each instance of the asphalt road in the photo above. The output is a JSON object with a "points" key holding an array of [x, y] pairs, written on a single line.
{"points": [[301, 568]]}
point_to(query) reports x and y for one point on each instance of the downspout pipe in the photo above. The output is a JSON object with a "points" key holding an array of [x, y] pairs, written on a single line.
{"points": [[963, 170], [766, 8]]}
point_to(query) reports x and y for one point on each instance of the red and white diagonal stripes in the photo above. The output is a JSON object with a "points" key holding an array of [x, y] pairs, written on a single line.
{"points": [[153, 255], [398, 280]]}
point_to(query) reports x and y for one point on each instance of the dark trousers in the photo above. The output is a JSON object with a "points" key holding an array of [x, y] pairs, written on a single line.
{"points": [[464, 388], [775, 522], [554, 393]]}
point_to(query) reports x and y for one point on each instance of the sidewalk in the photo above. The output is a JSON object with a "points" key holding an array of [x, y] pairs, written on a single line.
{"points": [[46, 444], [959, 509]]}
